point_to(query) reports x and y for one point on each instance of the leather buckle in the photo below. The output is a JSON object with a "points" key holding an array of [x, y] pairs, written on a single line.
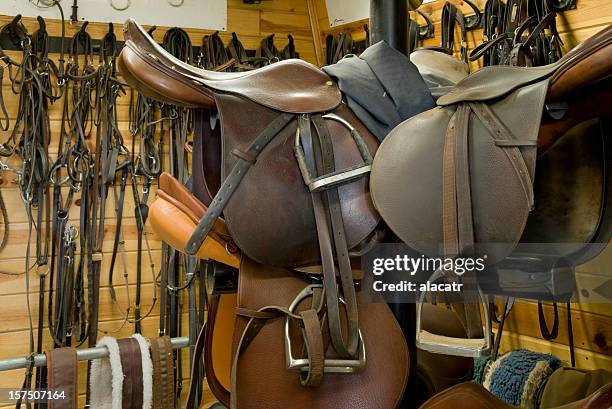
{"points": [[441, 344], [340, 176], [342, 366]]}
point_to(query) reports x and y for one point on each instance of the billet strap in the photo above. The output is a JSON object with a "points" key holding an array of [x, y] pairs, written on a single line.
{"points": [[63, 375], [163, 373], [230, 184]]}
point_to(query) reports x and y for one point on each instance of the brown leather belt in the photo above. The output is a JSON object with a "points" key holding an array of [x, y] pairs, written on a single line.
{"points": [[63, 375]]}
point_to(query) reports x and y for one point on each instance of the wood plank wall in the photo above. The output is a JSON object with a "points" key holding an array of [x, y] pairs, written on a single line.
{"points": [[251, 23], [592, 323]]}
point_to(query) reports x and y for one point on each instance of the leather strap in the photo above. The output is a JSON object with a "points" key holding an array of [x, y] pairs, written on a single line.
{"points": [[457, 210], [315, 348], [163, 373], [345, 348], [232, 181], [131, 362], [63, 375]]}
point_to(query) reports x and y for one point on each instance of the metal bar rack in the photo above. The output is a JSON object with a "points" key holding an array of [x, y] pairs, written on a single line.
{"points": [[86, 354]]}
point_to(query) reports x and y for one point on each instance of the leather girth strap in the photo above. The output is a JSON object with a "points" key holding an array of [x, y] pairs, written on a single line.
{"points": [[131, 362], [63, 376], [163, 373]]}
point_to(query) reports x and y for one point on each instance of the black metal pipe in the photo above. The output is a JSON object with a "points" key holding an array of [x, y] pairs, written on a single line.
{"points": [[388, 22]]}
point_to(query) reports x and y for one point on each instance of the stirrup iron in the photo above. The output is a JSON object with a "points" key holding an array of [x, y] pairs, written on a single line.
{"points": [[345, 366], [441, 344]]}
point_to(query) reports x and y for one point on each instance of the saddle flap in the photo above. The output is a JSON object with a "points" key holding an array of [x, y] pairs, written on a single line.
{"points": [[407, 174], [279, 209], [262, 363]]}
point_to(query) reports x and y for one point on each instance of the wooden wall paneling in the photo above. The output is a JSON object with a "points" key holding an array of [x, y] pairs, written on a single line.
{"points": [[315, 30]]}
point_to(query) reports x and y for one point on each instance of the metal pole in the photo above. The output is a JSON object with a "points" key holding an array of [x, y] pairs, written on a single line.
{"points": [[86, 354], [389, 22]]}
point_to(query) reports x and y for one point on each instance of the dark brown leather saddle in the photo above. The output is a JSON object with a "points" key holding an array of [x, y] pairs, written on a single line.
{"points": [[252, 131], [458, 180]]}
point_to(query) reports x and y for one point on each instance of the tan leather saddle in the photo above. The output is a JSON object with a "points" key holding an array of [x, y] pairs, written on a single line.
{"points": [[458, 180]]}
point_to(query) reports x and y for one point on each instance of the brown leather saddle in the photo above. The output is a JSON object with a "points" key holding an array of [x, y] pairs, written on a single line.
{"points": [[473, 396], [252, 130], [173, 216], [458, 180]]}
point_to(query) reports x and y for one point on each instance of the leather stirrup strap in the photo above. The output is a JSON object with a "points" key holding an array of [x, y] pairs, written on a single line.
{"points": [[63, 375], [457, 211], [163, 373], [315, 349], [131, 362], [348, 348], [230, 184]]}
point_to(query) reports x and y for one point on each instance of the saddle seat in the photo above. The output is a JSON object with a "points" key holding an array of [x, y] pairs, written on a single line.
{"points": [[293, 85], [473, 396]]}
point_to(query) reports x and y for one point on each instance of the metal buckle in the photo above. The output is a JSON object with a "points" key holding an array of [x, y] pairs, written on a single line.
{"points": [[440, 344], [345, 366], [340, 176]]}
